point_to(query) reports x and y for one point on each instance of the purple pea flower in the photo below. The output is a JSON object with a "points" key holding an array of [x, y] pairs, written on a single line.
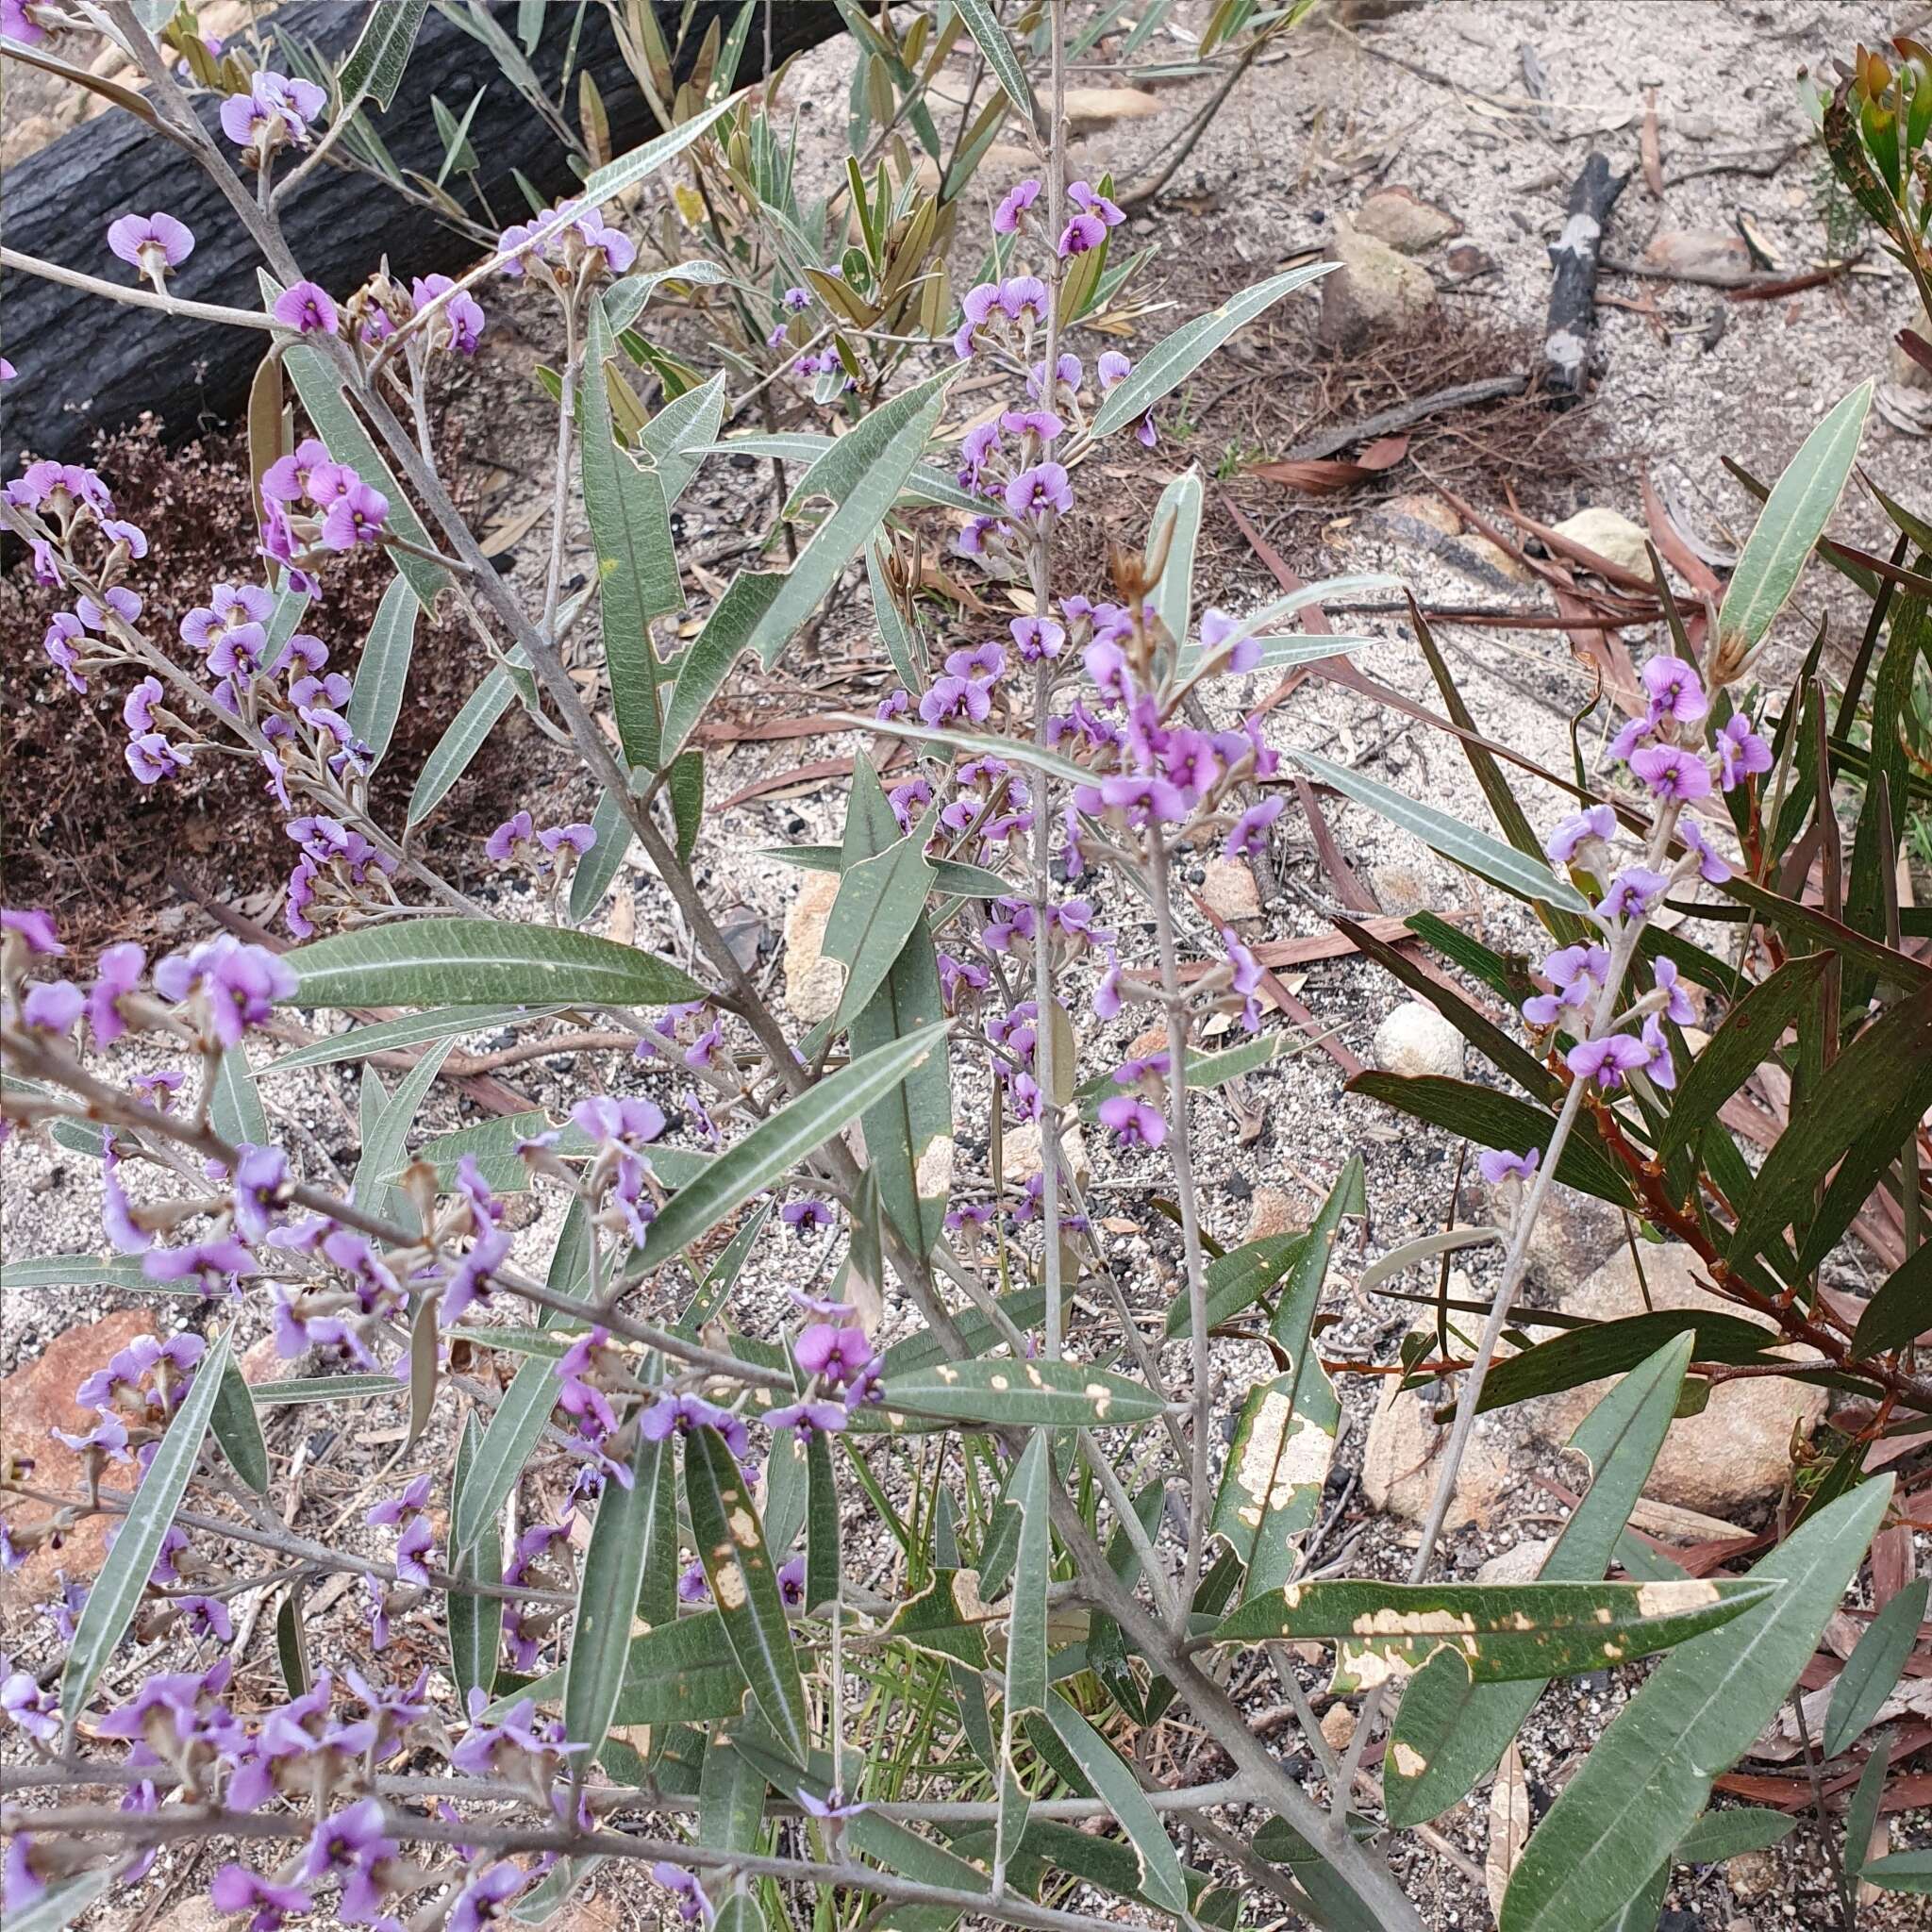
{"points": [[1711, 865], [1013, 205], [117, 973], [1580, 833], [1672, 771], [576, 839], [460, 320], [1675, 690], [806, 1420], [308, 308], [835, 1350], [1035, 638], [52, 1007], [692, 1586], [239, 983], [35, 930], [1042, 488], [1084, 231], [355, 518], [1607, 1060], [1740, 752], [63, 633], [214, 1264], [260, 1175], [36, 1711], [274, 109], [1083, 196], [806, 1215], [1661, 1068], [693, 1905], [1676, 1002], [1249, 835], [236, 1888], [518, 829], [1133, 1122], [1499, 1167], [154, 243], [1633, 892]]}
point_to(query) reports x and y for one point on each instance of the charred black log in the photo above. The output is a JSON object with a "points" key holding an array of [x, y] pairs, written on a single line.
{"points": [[1573, 298], [87, 364]]}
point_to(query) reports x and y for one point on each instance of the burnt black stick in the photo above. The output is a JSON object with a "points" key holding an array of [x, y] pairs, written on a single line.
{"points": [[1573, 295], [87, 364]]}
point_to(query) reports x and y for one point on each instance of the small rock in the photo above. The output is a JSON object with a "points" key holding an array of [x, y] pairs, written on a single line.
{"points": [[1402, 218], [1273, 1211], [1467, 259], [1374, 289], [1088, 107], [1522, 1564], [1737, 1451], [1229, 890], [1614, 537], [1415, 1039], [1419, 509], [1498, 560], [1906, 372], [1338, 1727], [1399, 1459], [37, 1399], [193, 1914], [1751, 1876], [1706, 255], [261, 1364], [1400, 889], [812, 982], [1575, 1235], [1020, 1151]]}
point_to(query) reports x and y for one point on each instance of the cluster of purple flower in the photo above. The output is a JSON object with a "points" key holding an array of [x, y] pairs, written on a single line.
{"points": [[310, 504], [567, 246], [557, 848], [274, 113]]}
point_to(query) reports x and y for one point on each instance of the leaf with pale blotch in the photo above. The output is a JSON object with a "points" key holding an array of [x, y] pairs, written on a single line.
{"points": [[1508, 1826], [946, 1619], [1384, 1630], [1009, 1394], [1648, 1775], [110, 1603], [431, 962], [731, 1546], [1272, 1487]]}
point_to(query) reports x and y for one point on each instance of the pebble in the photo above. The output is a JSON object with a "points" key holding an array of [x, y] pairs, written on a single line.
{"points": [[1416, 1039]]}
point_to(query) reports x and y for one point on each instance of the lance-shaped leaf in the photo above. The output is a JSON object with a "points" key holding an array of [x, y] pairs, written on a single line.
{"points": [[384, 1143], [1177, 514], [407, 1029], [777, 1144], [235, 1109], [422, 962], [1721, 1835], [238, 1429], [950, 876], [1285, 1440], [708, 662], [683, 1671], [464, 739], [903, 645], [382, 673], [626, 1528], [1747, 1039], [1009, 1394], [111, 1602], [1169, 363], [862, 473], [623, 302], [375, 62], [1900, 1311], [1873, 1667], [1854, 1121], [925, 484], [1907, 1871], [610, 841], [946, 1618], [1648, 1775], [1239, 1278], [1489, 859], [1161, 1877], [637, 564], [514, 1429], [732, 1545], [1001, 61], [476, 1622], [880, 900], [1792, 520], [1028, 1492], [1607, 1348], [1501, 1632], [676, 437], [1450, 1732]]}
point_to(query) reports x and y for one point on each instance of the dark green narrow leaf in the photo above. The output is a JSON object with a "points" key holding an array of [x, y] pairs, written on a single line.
{"points": [[1161, 1878], [1901, 1310], [1238, 1279], [382, 673], [624, 1529], [1649, 1773], [1607, 1348], [1873, 1667], [238, 1429], [291, 1643], [1721, 1835], [745, 1585], [822, 1559], [1026, 1622], [1450, 1733], [1746, 1040], [475, 1623], [459, 743], [685, 782], [731, 1799], [1009, 1394], [110, 1603]]}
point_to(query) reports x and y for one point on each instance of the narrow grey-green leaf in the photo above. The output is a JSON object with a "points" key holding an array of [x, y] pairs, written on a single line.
{"points": [[778, 1143], [904, 646], [637, 564], [641, 162], [383, 1150], [729, 628], [1010, 1394], [1004, 65], [382, 673], [1028, 1493], [1873, 1667], [1792, 520], [623, 302], [1489, 859], [235, 1109], [428, 962], [862, 473], [1161, 1878], [375, 62], [475, 1623], [1649, 1773], [1449, 1733], [1169, 363], [110, 1603], [880, 900], [74, 1271], [62, 1902], [407, 1029], [952, 876], [925, 484], [601, 864], [462, 742], [238, 1429], [678, 435], [1178, 512], [745, 1586], [607, 1597]]}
